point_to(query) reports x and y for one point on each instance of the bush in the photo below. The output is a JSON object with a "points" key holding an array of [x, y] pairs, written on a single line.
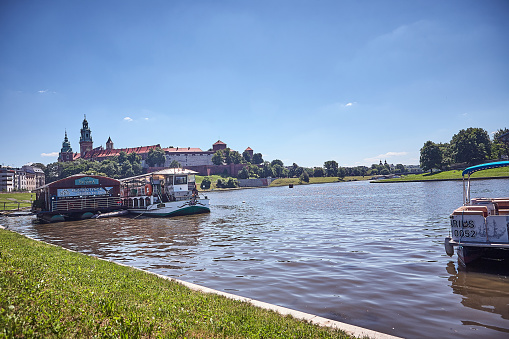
{"points": [[304, 177], [224, 183], [205, 184]]}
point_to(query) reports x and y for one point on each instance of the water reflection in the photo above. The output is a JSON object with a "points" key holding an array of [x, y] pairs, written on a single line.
{"points": [[471, 285]]}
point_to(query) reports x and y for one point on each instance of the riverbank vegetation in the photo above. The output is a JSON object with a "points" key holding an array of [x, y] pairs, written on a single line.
{"points": [[49, 292], [467, 147], [502, 172]]}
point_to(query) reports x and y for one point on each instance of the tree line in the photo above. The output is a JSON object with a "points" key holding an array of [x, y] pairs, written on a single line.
{"points": [[469, 146]]}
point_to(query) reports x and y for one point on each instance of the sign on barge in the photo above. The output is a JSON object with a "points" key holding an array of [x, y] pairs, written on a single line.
{"points": [[77, 197]]}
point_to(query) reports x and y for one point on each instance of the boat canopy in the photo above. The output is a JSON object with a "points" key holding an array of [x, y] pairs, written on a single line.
{"points": [[482, 167], [166, 171]]}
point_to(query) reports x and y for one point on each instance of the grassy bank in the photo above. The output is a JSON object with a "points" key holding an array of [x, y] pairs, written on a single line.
{"points": [[452, 175], [46, 291], [317, 180], [10, 200]]}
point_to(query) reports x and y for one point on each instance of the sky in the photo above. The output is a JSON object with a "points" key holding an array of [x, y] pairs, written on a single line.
{"points": [[301, 81]]}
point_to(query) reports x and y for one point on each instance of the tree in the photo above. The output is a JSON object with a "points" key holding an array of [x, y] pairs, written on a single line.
{"points": [[217, 158], [294, 171], [267, 170], [122, 156], [133, 158], [318, 172], [447, 156], [243, 173], [472, 146], [156, 156], [247, 156], [431, 156], [257, 158], [277, 162], [304, 177], [499, 149], [126, 169], [280, 171], [341, 172], [109, 168], [175, 164], [400, 167], [331, 168], [53, 171], [235, 157]]}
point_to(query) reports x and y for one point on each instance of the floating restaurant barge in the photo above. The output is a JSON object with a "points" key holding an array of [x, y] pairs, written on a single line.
{"points": [[77, 197]]}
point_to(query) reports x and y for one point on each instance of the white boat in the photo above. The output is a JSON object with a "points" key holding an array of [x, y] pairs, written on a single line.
{"points": [[479, 228], [165, 193]]}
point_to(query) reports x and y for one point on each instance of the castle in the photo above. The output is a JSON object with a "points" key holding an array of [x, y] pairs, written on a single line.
{"points": [[188, 157]]}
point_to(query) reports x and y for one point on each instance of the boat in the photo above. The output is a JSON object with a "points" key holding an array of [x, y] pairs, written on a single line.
{"points": [[77, 197], [164, 193], [479, 228]]}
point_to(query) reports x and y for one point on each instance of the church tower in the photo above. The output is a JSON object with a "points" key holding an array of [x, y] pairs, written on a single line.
{"points": [[109, 144], [86, 143], [66, 151]]}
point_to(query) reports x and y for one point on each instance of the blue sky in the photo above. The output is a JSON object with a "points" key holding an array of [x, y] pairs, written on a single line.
{"points": [[301, 81]]}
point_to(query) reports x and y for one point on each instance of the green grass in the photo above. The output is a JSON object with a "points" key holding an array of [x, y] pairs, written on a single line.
{"points": [[48, 292], [11, 200], [313, 180], [452, 175], [213, 179]]}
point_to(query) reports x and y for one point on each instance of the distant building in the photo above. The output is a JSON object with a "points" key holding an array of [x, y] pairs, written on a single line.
{"points": [[27, 178], [188, 157], [7, 179], [86, 143], [66, 153]]}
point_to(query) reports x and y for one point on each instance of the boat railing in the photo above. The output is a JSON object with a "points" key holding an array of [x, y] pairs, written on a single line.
{"points": [[95, 203]]}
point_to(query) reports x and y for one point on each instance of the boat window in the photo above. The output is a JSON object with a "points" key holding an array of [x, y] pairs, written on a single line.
{"points": [[191, 178], [169, 180], [181, 180]]}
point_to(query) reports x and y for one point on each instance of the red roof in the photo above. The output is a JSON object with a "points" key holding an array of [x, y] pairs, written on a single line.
{"points": [[106, 153], [248, 149], [219, 142]]}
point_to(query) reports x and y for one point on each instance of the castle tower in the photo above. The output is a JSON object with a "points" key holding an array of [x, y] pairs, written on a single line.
{"points": [[109, 144], [86, 143], [66, 151], [249, 151], [219, 145]]}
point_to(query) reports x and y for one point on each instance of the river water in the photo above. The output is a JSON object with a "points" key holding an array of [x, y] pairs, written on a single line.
{"points": [[367, 254]]}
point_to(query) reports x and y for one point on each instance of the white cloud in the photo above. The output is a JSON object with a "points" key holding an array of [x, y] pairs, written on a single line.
{"points": [[128, 119], [43, 91], [385, 156], [146, 118], [349, 104], [52, 154]]}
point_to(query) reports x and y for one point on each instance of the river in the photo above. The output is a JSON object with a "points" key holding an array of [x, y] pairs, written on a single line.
{"points": [[367, 254]]}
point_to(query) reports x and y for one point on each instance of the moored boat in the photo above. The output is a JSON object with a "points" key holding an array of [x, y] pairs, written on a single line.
{"points": [[77, 197], [479, 228], [165, 193]]}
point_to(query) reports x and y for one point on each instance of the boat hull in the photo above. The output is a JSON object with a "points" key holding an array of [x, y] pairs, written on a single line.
{"points": [[174, 208]]}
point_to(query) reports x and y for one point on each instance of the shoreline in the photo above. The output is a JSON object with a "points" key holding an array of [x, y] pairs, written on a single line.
{"points": [[391, 181], [352, 330]]}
